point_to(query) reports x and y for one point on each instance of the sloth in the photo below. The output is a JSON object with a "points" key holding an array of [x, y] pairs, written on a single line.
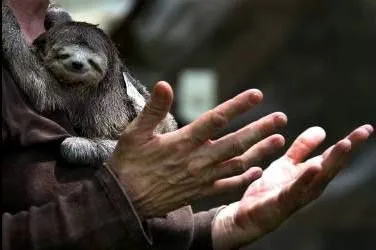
{"points": [[75, 67]]}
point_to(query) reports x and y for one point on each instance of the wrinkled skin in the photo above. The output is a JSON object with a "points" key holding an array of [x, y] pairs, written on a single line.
{"points": [[163, 172], [159, 181]]}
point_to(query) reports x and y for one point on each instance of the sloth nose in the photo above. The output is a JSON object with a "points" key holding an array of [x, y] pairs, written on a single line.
{"points": [[77, 66]]}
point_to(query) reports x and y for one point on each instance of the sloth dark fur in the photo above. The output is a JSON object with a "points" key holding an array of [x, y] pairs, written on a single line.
{"points": [[75, 67]]}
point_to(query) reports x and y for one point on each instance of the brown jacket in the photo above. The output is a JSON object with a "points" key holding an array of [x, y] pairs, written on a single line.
{"points": [[49, 205]]}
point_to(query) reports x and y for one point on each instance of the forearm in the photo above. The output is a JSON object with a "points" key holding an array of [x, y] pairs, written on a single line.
{"points": [[89, 219]]}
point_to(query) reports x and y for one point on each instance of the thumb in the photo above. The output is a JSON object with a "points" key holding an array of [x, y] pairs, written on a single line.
{"points": [[155, 109]]}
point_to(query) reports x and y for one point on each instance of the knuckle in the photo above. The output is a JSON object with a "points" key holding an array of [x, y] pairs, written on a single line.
{"points": [[208, 175], [237, 146], [304, 144], [194, 168], [200, 170], [240, 105], [264, 127], [268, 124], [243, 181], [238, 165], [217, 119], [263, 149], [197, 139], [235, 167], [153, 109]]}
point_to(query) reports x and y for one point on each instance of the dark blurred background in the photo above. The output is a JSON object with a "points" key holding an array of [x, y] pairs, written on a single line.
{"points": [[315, 60]]}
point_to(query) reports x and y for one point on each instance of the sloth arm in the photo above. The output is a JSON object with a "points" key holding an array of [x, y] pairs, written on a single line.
{"points": [[32, 76], [97, 215]]}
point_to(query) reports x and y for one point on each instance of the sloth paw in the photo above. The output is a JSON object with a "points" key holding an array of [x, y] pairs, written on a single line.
{"points": [[83, 151]]}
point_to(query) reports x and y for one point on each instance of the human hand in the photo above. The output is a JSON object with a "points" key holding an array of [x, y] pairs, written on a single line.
{"points": [[288, 184], [162, 172]]}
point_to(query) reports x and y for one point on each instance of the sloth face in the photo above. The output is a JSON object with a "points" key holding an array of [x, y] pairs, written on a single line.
{"points": [[76, 53]]}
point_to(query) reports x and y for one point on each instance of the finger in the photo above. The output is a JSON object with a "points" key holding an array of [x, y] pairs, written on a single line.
{"points": [[336, 159], [330, 165], [335, 156], [263, 150], [324, 168], [356, 137], [359, 135], [237, 143], [237, 181], [251, 157], [155, 110], [205, 127], [237, 166], [305, 143]]}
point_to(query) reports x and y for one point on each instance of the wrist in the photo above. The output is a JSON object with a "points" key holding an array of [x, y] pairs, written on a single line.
{"points": [[122, 204], [222, 228], [125, 184], [148, 199], [226, 234]]}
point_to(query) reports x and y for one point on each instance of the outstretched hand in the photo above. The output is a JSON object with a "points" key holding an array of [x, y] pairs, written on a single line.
{"points": [[162, 172], [286, 185]]}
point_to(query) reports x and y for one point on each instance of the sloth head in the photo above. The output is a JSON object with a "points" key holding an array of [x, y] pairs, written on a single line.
{"points": [[76, 53]]}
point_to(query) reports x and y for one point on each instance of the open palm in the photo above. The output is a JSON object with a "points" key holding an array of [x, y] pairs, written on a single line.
{"points": [[286, 185]]}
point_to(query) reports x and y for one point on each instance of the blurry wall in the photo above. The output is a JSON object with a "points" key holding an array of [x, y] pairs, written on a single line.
{"points": [[105, 13]]}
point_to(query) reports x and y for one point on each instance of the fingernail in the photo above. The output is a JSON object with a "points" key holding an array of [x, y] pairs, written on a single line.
{"points": [[278, 140], [369, 128], [256, 173], [317, 131], [255, 96], [280, 119], [161, 92]]}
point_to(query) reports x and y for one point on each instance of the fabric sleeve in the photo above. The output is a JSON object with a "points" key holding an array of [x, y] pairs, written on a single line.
{"points": [[181, 226], [202, 230], [100, 216]]}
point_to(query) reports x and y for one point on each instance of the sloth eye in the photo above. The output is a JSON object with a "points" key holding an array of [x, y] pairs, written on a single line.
{"points": [[95, 66], [62, 56]]}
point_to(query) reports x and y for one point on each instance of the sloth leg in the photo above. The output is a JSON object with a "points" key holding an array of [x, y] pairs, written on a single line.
{"points": [[31, 75]]}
